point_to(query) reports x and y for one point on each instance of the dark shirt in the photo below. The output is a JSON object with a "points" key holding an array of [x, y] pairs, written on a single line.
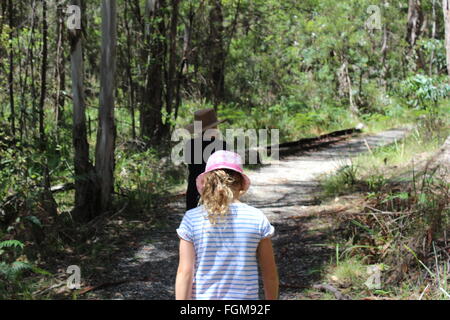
{"points": [[196, 164]]}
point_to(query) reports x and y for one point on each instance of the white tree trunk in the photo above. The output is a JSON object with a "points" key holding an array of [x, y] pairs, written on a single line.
{"points": [[414, 21], [104, 157], [84, 182]]}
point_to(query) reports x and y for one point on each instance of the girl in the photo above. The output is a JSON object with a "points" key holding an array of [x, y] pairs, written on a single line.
{"points": [[222, 241]]}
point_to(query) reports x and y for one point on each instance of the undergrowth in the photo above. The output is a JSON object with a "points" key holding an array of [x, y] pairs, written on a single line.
{"points": [[401, 225]]}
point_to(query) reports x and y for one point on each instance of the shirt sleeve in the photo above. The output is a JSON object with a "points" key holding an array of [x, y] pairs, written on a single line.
{"points": [[266, 229], [184, 231]]}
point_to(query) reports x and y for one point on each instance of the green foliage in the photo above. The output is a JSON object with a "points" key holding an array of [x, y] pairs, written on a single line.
{"points": [[143, 178], [13, 267], [10, 244], [344, 180], [402, 221], [434, 49], [425, 92]]}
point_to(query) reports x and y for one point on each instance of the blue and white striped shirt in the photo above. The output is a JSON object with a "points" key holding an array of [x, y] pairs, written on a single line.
{"points": [[226, 266]]}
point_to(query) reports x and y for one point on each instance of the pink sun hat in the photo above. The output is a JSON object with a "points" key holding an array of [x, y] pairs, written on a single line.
{"points": [[223, 160]]}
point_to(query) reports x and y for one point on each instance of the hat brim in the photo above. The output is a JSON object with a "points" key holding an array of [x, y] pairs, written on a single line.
{"points": [[190, 127], [200, 179]]}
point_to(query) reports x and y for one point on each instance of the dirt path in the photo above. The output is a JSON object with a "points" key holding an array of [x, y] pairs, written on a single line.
{"points": [[283, 190]]}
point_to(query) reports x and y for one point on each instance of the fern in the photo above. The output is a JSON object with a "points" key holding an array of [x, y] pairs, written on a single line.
{"points": [[19, 266], [11, 243], [11, 271], [4, 268]]}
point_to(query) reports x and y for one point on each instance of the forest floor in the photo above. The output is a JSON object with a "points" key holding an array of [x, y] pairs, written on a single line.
{"points": [[287, 191]]}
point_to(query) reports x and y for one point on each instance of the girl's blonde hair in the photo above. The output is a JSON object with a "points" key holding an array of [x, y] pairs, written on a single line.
{"points": [[218, 192]]}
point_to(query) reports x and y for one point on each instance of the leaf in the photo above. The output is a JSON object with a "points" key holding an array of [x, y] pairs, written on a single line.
{"points": [[362, 226], [11, 243], [40, 271], [34, 220], [19, 266]]}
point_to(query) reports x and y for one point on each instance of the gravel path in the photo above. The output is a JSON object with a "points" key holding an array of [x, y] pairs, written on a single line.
{"points": [[282, 190]]}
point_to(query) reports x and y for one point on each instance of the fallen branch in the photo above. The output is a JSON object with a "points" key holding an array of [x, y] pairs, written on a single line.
{"points": [[62, 187], [107, 215], [114, 283], [41, 291], [333, 290], [368, 147], [379, 212]]}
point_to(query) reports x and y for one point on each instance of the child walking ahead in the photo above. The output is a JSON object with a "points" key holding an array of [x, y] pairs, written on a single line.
{"points": [[223, 240]]}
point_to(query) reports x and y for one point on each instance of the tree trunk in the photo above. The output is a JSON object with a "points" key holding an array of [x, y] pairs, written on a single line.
{"points": [[43, 74], [433, 35], [384, 66], [171, 81], [85, 202], [129, 73], [48, 201], [216, 90], [59, 67], [23, 78], [353, 107], [104, 156], [152, 131], [185, 58], [384, 51], [345, 86], [34, 110], [11, 69], [446, 9], [415, 20]]}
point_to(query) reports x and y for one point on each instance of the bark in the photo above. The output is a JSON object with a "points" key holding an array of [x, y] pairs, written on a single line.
{"points": [[171, 80], [49, 203], [353, 108], [34, 110], [29, 71], [415, 21], [11, 69], [184, 64], [186, 54], [384, 65], [129, 73], [187, 39], [3, 14], [152, 127], [433, 35], [85, 203], [23, 76], [106, 133], [3, 7], [216, 61], [446, 9], [59, 67], [43, 73], [345, 86]]}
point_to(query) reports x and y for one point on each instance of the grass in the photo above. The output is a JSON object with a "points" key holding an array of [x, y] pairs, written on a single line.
{"points": [[375, 168], [348, 272], [405, 228]]}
